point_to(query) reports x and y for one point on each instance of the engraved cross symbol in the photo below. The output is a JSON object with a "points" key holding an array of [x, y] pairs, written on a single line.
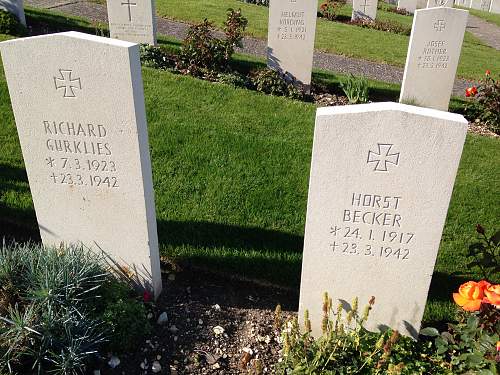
{"points": [[440, 25], [383, 157], [129, 4], [67, 83], [364, 5]]}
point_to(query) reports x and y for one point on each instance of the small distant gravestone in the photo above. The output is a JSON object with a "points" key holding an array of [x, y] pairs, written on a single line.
{"points": [[82, 126], [421, 4], [433, 53], [409, 5], [290, 42], [439, 3], [15, 7], [381, 179], [463, 3], [495, 6], [364, 10], [132, 20], [483, 5]]}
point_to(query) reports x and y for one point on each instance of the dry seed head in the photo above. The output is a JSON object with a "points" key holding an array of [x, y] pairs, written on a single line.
{"points": [[380, 342], [325, 303], [349, 317], [355, 305]]}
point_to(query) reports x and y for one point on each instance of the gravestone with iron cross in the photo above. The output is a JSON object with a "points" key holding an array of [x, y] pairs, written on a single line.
{"points": [[132, 20], [407, 5], [433, 54], [364, 10], [439, 3], [381, 179], [88, 165]]}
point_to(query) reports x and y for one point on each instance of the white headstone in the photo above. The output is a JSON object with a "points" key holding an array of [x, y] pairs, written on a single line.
{"points": [[381, 179], [495, 6], [290, 41], [463, 3], [439, 3], [483, 5], [409, 5], [15, 7], [364, 10], [81, 121], [132, 20], [433, 53], [421, 4]]}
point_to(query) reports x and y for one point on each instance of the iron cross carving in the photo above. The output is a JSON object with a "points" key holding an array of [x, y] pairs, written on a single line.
{"points": [[68, 83], [383, 157]]}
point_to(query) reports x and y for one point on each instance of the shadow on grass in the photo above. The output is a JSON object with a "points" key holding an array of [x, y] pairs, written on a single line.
{"points": [[211, 235], [443, 285]]}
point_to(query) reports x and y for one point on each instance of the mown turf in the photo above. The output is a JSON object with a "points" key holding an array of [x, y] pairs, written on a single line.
{"points": [[490, 17], [335, 37], [230, 171]]}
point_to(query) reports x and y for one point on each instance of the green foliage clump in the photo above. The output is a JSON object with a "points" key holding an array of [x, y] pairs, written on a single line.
{"points": [[53, 317], [264, 3], [272, 82], [124, 316], [233, 79], [389, 26], [485, 107], [346, 347], [355, 88], [156, 57], [330, 8], [9, 24], [201, 51]]}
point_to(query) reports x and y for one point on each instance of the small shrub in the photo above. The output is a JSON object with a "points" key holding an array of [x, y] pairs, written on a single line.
{"points": [[58, 307], [271, 82], [389, 26], [330, 8], [233, 79], [156, 57], [201, 51], [486, 253], [9, 24], [264, 3], [355, 88], [484, 106]]}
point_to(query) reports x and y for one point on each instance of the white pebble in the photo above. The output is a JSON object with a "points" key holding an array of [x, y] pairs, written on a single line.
{"points": [[114, 362], [156, 367], [218, 330], [162, 319]]}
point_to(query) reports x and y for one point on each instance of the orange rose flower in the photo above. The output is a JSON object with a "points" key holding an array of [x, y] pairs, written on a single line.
{"points": [[470, 295], [492, 294]]}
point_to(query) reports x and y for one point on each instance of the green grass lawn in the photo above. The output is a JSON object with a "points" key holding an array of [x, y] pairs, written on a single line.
{"points": [[230, 170], [490, 17], [336, 37]]}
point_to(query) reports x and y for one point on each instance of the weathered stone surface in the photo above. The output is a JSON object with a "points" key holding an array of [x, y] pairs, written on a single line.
{"points": [[463, 3], [433, 54], [483, 5], [495, 6], [408, 5], [79, 108], [132, 20], [15, 7], [381, 179], [439, 3], [290, 41], [364, 9]]}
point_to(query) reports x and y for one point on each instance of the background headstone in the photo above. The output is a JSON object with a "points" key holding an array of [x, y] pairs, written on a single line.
{"points": [[364, 9], [132, 20], [290, 42], [463, 3], [483, 5], [495, 6], [79, 107], [409, 5], [439, 3], [381, 179], [15, 7], [433, 53]]}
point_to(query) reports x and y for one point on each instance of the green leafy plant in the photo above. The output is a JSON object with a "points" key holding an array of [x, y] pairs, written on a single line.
{"points": [[330, 8], [355, 88], [9, 24], [389, 26], [233, 79], [486, 253], [484, 104], [264, 3], [156, 57], [271, 82], [201, 51]]}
